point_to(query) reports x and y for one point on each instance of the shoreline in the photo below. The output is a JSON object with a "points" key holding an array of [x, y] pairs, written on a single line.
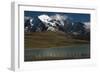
{"points": [[74, 45]]}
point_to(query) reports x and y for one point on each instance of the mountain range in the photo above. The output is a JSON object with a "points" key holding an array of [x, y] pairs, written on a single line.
{"points": [[56, 23]]}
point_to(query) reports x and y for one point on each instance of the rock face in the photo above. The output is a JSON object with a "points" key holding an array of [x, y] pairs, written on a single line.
{"points": [[55, 23]]}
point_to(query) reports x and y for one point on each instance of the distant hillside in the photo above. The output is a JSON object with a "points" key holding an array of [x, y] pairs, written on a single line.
{"points": [[50, 39]]}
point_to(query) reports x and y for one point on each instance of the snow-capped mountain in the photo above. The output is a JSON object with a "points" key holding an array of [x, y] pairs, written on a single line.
{"points": [[55, 23]]}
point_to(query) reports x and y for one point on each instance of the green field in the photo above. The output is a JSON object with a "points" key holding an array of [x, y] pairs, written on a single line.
{"points": [[50, 40]]}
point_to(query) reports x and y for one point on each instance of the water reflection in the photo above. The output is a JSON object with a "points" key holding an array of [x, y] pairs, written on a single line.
{"points": [[76, 52]]}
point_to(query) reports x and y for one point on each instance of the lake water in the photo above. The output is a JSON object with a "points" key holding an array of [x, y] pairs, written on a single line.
{"points": [[79, 51]]}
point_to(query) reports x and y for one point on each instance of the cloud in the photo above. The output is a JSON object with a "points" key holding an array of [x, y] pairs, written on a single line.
{"points": [[60, 18], [27, 18], [87, 25]]}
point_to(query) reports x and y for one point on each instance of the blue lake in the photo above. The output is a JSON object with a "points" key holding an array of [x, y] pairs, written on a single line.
{"points": [[78, 51]]}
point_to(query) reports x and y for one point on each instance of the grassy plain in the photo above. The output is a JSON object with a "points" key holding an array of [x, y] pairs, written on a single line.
{"points": [[50, 40]]}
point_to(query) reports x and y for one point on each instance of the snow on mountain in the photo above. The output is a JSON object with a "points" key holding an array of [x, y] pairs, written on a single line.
{"points": [[59, 18], [28, 23], [44, 18], [56, 22], [48, 22]]}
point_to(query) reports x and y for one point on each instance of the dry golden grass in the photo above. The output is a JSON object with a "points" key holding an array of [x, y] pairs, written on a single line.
{"points": [[49, 40]]}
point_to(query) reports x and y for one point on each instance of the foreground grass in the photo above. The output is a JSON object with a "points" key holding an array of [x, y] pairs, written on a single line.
{"points": [[49, 40]]}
